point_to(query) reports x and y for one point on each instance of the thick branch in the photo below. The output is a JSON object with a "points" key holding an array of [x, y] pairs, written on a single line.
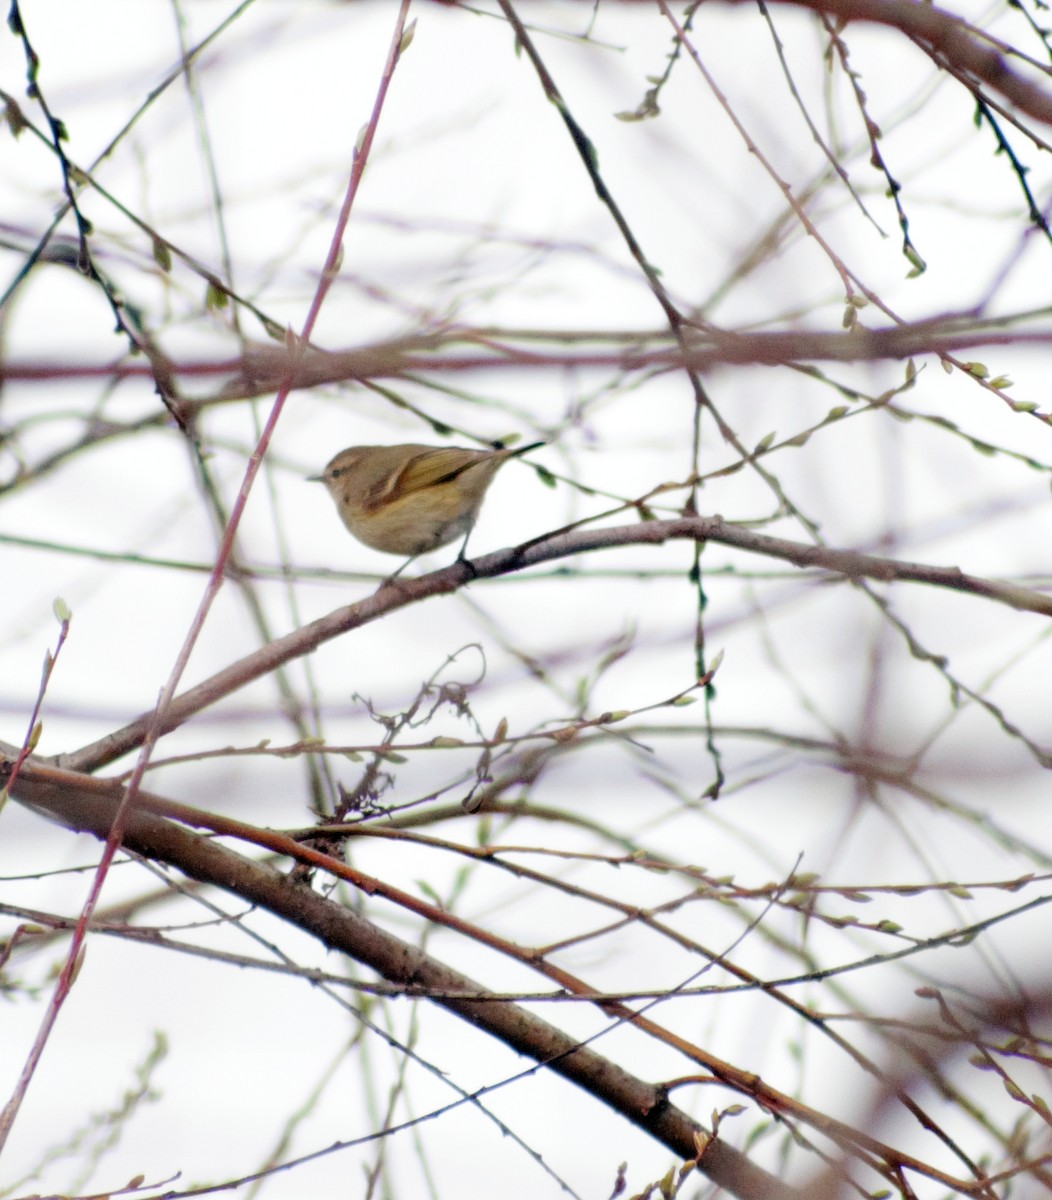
{"points": [[89, 805], [946, 36], [945, 33]]}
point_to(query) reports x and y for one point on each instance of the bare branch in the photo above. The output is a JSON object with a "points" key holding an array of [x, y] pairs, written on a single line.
{"points": [[91, 805]]}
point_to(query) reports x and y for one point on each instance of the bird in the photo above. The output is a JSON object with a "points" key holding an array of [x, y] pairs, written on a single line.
{"points": [[410, 499]]}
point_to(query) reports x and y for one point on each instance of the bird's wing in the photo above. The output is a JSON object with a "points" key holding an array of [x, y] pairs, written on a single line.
{"points": [[432, 467]]}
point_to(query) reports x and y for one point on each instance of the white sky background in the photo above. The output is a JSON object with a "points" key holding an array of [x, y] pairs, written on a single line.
{"points": [[475, 210]]}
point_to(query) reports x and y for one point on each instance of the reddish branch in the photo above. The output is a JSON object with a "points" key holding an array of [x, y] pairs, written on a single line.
{"points": [[260, 371], [944, 36]]}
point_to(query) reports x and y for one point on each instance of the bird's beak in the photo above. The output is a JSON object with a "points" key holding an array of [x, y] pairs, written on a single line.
{"points": [[315, 479]]}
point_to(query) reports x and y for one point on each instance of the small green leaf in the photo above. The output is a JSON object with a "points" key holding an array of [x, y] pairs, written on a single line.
{"points": [[407, 37], [546, 477], [215, 297], [303, 745], [61, 610], [162, 256], [915, 260]]}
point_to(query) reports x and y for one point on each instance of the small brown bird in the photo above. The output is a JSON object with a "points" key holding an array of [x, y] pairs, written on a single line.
{"points": [[411, 499]]}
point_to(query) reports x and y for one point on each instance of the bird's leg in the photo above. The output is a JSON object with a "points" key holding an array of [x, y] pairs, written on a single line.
{"points": [[463, 558], [391, 578]]}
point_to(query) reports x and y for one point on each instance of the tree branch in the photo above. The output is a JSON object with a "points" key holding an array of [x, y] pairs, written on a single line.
{"points": [[258, 371], [849, 564], [89, 805], [944, 34]]}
